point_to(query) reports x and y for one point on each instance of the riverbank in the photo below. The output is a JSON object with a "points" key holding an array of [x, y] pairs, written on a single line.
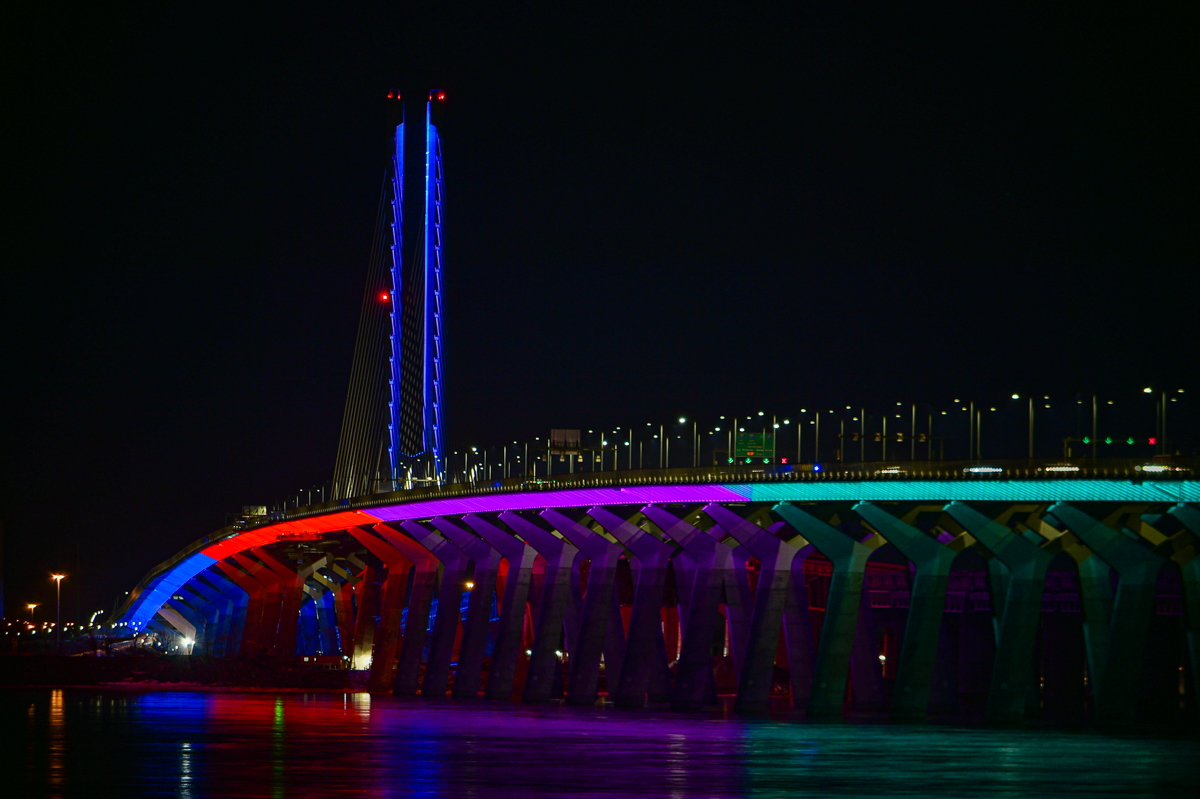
{"points": [[178, 672]]}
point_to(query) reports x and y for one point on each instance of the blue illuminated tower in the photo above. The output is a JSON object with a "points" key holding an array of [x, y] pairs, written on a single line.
{"points": [[416, 440]]}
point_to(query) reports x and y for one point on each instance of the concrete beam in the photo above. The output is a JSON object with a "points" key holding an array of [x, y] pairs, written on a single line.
{"points": [[193, 621]]}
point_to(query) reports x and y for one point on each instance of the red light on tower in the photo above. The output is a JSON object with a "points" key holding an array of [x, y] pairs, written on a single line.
{"points": [[384, 296]]}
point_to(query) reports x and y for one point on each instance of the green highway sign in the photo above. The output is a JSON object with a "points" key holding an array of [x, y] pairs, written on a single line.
{"points": [[754, 445]]}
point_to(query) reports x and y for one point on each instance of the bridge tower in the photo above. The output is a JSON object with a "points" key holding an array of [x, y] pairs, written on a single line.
{"points": [[416, 442], [396, 399]]}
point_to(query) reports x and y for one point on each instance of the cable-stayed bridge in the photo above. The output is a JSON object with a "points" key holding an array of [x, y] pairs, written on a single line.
{"points": [[1013, 588]]}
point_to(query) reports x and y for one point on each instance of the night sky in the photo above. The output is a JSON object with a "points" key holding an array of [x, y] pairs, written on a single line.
{"points": [[651, 213]]}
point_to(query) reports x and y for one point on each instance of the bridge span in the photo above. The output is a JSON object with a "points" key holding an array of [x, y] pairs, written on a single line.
{"points": [[1014, 588]]}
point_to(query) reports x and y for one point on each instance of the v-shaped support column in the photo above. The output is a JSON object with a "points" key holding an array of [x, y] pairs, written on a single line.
{"points": [[713, 566], [215, 581], [849, 559], [541, 681], [1116, 686], [292, 580], [455, 564], [366, 620], [343, 605], [420, 601], [774, 583], [479, 606], [508, 648], [387, 633], [798, 635], [918, 653], [272, 600], [340, 588], [248, 644], [599, 632], [1189, 568], [223, 608], [210, 613], [1027, 564], [645, 650]]}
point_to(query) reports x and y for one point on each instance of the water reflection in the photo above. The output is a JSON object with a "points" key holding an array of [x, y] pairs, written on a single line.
{"points": [[90, 743], [185, 769], [56, 744]]}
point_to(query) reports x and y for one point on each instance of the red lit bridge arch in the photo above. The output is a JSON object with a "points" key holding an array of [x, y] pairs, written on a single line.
{"points": [[1011, 587]]}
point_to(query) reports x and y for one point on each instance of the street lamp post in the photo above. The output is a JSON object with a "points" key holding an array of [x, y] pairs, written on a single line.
{"points": [[58, 578], [817, 440], [1017, 397]]}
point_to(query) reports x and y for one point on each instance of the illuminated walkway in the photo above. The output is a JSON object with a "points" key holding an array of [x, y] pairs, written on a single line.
{"points": [[1013, 588]]}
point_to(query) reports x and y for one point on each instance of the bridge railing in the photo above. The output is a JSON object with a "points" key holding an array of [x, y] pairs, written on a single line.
{"points": [[1158, 469]]}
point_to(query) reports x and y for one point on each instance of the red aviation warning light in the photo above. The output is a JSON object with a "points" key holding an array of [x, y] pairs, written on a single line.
{"points": [[437, 94], [384, 296]]}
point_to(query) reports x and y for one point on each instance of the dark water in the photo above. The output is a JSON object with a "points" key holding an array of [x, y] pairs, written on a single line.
{"points": [[92, 743]]}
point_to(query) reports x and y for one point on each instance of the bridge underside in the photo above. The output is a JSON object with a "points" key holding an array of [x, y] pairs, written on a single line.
{"points": [[1007, 599]]}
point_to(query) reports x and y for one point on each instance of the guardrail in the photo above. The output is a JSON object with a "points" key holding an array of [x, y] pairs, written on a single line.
{"points": [[1160, 468]]}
